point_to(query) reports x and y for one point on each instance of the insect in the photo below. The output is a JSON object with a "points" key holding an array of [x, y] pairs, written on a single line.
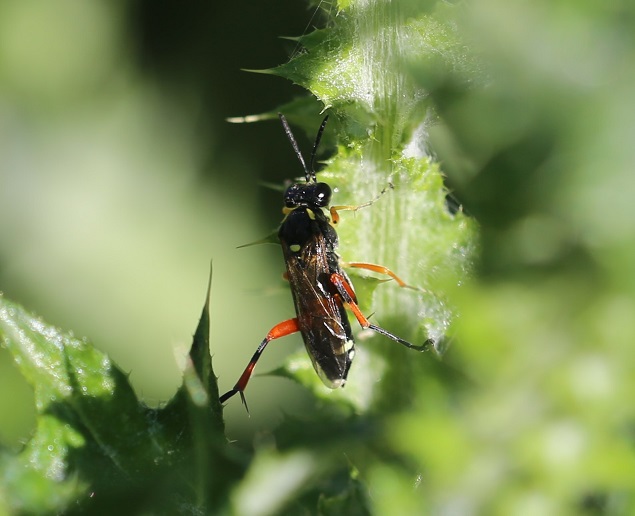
{"points": [[322, 291]]}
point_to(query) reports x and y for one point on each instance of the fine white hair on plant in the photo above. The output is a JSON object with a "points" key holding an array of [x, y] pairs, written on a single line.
{"points": [[417, 147]]}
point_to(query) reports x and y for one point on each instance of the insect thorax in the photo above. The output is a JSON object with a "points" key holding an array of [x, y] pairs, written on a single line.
{"points": [[305, 226]]}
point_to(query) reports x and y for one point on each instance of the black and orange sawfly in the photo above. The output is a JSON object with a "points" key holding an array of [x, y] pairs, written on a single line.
{"points": [[322, 291]]}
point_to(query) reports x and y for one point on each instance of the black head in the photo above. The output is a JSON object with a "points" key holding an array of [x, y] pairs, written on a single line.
{"points": [[311, 195]]}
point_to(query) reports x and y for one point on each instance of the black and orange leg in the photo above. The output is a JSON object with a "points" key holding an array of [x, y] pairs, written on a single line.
{"points": [[279, 330], [347, 295]]}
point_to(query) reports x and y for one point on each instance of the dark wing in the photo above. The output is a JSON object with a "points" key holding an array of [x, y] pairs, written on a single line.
{"points": [[321, 315]]}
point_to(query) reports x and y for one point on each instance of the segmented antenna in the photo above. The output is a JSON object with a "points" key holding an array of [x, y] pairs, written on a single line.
{"points": [[294, 144], [309, 173], [316, 145]]}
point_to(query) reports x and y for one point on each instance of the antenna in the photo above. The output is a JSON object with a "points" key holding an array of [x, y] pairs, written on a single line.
{"points": [[294, 144], [316, 145], [309, 174]]}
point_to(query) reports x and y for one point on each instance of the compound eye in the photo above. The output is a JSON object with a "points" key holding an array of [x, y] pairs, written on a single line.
{"points": [[322, 194], [293, 196]]}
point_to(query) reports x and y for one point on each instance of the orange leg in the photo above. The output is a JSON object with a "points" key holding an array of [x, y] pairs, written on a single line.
{"points": [[279, 330], [335, 217], [381, 270], [348, 297]]}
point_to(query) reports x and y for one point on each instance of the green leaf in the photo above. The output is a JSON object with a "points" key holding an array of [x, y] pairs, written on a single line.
{"points": [[360, 68], [96, 447], [352, 500], [83, 402]]}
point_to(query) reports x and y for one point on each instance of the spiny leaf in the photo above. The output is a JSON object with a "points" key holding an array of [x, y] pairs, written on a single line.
{"points": [[90, 424], [95, 444], [361, 69]]}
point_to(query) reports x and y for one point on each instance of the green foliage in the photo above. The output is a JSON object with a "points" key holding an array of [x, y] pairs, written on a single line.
{"points": [[529, 110], [96, 448], [358, 69]]}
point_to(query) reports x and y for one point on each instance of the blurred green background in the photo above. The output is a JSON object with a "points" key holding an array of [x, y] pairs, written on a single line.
{"points": [[120, 180]]}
